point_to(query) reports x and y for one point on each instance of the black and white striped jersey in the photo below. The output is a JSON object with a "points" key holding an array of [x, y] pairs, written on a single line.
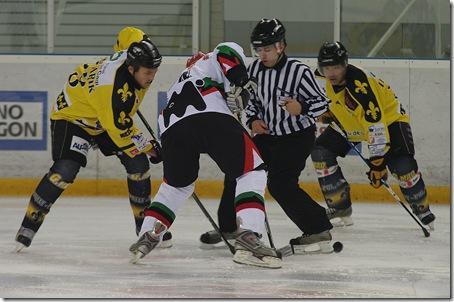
{"points": [[289, 78]]}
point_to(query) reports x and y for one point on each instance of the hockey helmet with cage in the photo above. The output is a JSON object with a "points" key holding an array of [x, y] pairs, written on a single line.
{"points": [[143, 53], [332, 53], [267, 32]]}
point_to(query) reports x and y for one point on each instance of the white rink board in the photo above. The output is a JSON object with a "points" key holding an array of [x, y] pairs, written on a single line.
{"points": [[422, 86], [81, 251]]}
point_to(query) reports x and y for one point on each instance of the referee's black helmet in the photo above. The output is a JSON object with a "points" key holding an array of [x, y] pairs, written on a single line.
{"points": [[267, 32]]}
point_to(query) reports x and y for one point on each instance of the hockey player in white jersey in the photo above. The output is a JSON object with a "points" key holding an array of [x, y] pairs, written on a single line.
{"points": [[197, 120]]}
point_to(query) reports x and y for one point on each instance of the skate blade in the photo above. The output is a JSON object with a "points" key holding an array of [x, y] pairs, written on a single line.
{"points": [[246, 257], [342, 221], [136, 257], [431, 226], [323, 247], [19, 247]]}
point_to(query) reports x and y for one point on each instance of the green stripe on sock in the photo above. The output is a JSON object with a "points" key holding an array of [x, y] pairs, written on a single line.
{"points": [[161, 208], [248, 196]]}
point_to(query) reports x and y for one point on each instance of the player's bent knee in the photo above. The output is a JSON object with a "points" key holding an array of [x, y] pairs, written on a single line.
{"points": [[139, 176], [63, 172], [137, 164]]}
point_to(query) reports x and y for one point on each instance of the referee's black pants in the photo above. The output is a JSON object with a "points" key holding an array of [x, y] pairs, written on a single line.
{"points": [[285, 157]]}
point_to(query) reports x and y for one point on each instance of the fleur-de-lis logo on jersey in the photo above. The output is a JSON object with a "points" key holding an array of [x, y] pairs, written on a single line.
{"points": [[123, 119], [124, 92], [360, 87], [373, 111], [61, 102]]}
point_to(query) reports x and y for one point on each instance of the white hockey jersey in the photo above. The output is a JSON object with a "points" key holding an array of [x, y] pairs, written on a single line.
{"points": [[202, 86]]}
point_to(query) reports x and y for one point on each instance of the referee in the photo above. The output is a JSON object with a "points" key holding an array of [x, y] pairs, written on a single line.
{"points": [[281, 116]]}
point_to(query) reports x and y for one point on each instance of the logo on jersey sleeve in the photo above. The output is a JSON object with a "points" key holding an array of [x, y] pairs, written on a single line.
{"points": [[61, 101], [124, 92], [124, 120], [179, 102], [361, 87], [373, 111]]}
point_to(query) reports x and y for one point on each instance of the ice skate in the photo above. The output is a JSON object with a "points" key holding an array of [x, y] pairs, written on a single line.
{"points": [[24, 238], [166, 241], [340, 217], [212, 239], [312, 243], [427, 218], [147, 242], [251, 251]]}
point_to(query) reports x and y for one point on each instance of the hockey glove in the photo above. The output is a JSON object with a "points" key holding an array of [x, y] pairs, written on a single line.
{"points": [[156, 148], [377, 171], [238, 96]]}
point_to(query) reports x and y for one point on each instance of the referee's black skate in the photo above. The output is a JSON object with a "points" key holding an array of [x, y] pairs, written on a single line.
{"points": [[212, 239], [166, 240], [148, 241], [250, 250], [340, 217], [312, 243]]}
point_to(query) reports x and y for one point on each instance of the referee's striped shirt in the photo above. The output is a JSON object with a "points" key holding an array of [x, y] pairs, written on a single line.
{"points": [[288, 78]]}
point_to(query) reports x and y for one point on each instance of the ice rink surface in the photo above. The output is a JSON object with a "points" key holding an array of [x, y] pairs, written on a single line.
{"points": [[81, 251]]}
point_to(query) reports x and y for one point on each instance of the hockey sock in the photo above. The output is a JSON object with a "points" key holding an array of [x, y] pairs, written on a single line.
{"points": [[414, 190], [249, 201], [165, 205], [40, 203], [333, 185], [139, 187]]}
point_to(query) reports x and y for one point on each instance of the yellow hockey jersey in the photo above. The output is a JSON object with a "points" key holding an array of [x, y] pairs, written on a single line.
{"points": [[104, 96], [364, 108]]}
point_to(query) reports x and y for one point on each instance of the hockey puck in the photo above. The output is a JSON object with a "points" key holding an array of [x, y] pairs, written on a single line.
{"points": [[338, 246]]}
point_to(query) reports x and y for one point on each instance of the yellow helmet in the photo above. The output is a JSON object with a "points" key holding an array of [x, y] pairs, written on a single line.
{"points": [[127, 36]]}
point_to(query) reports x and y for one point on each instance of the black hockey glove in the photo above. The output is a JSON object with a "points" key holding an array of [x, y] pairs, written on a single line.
{"points": [[157, 148], [377, 171], [238, 96]]}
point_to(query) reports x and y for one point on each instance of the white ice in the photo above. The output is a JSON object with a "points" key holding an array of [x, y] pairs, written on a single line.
{"points": [[81, 251]]}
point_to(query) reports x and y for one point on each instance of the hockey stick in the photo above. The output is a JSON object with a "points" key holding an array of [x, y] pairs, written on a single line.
{"points": [[267, 224], [384, 182], [194, 196]]}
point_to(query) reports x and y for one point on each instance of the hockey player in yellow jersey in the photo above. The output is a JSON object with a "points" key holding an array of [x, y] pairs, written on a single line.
{"points": [[367, 110], [96, 107], [126, 37]]}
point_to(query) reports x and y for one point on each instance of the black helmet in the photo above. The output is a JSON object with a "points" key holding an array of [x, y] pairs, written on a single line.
{"points": [[332, 54], [143, 53], [267, 32]]}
